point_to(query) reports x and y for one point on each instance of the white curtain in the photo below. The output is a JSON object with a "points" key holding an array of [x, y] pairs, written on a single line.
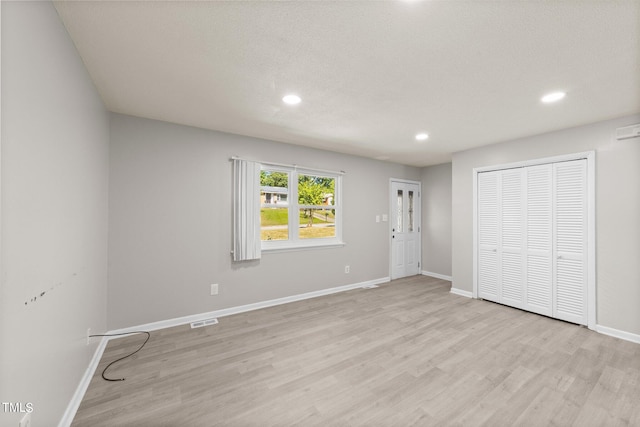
{"points": [[246, 210]]}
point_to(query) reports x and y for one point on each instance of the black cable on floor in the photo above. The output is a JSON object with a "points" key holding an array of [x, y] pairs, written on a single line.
{"points": [[124, 357]]}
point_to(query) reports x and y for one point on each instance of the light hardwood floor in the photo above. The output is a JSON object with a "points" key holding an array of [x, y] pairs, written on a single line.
{"points": [[405, 353]]}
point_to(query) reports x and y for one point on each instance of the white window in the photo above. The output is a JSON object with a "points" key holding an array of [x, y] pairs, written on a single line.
{"points": [[299, 208]]}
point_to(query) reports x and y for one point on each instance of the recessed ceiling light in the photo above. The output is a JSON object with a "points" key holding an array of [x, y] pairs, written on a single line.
{"points": [[422, 137], [291, 99], [553, 97]]}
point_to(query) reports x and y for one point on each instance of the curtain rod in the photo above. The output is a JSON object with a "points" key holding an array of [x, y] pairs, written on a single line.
{"points": [[290, 166]]}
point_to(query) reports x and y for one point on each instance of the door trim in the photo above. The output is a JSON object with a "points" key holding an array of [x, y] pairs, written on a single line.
{"points": [[590, 156], [390, 205]]}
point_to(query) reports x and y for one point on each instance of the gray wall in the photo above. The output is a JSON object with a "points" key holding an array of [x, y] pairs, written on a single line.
{"points": [[436, 219], [54, 213], [170, 223], [617, 210]]}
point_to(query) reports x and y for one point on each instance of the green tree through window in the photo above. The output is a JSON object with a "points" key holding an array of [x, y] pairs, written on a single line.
{"points": [[274, 179], [310, 193]]}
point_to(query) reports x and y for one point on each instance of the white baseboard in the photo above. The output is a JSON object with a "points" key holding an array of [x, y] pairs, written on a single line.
{"points": [[462, 293], [627, 336], [244, 308], [74, 404], [436, 275]]}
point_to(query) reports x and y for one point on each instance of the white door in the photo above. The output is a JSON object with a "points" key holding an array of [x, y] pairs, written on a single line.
{"points": [[512, 236], [488, 216], [539, 239], [405, 229], [570, 223], [500, 236], [532, 238]]}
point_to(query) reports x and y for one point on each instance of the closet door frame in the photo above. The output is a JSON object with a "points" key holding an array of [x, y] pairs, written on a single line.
{"points": [[591, 221]]}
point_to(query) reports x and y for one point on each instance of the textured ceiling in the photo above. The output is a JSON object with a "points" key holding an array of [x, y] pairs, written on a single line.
{"points": [[371, 74]]}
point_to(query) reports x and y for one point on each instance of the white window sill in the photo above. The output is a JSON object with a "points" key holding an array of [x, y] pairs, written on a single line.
{"points": [[303, 247]]}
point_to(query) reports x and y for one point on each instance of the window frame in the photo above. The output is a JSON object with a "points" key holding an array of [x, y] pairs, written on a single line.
{"points": [[294, 242]]}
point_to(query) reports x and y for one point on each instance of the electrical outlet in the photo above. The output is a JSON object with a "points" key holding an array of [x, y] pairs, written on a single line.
{"points": [[26, 420], [347, 269], [214, 289], [88, 335]]}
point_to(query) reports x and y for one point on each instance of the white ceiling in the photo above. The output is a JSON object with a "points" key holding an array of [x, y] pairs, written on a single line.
{"points": [[371, 74]]}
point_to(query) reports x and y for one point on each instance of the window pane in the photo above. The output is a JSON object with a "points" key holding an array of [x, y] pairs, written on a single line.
{"points": [[317, 223], [317, 218], [274, 202], [274, 223], [316, 190], [410, 222], [400, 211]]}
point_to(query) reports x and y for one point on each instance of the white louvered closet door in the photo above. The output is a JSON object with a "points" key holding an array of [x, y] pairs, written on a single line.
{"points": [[539, 235], [570, 223], [488, 217], [532, 238], [511, 226]]}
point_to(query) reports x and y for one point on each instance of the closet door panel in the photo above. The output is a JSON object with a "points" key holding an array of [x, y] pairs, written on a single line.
{"points": [[488, 218], [511, 237], [539, 237], [570, 226]]}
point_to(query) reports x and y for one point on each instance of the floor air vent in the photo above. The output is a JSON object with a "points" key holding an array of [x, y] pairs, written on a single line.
{"points": [[201, 323]]}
